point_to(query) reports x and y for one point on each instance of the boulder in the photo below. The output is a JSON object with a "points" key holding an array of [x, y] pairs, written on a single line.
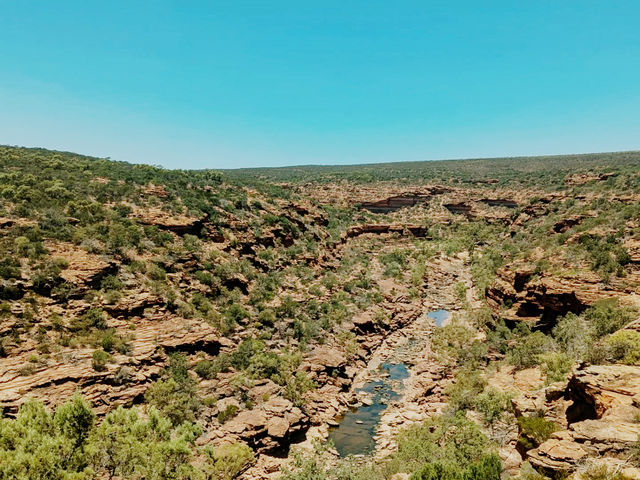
{"points": [[176, 223], [324, 357], [277, 427], [84, 270], [558, 454], [599, 405]]}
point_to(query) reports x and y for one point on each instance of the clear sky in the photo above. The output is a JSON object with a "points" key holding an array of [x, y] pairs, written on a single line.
{"points": [[223, 84]]}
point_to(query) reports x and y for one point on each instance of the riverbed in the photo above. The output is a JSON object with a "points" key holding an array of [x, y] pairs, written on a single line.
{"points": [[383, 386]]}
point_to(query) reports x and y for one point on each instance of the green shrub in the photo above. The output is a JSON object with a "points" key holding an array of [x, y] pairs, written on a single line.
{"points": [[460, 291], [130, 445], [452, 440], [112, 341], [228, 413], [394, 262], [175, 395], [39, 445], [488, 468], [573, 335], [99, 360], [242, 357], [498, 337], [209, 369], [534, 430], [492, 404], [267, 317], [483, 268], [93, 318], [606, 317], [235, 314], [228, 461], [111, 282], [295, 387], [624, 345], [555, 365], [603, 472], [527, 351], [468, 385], [156, 272], [452, 339]]}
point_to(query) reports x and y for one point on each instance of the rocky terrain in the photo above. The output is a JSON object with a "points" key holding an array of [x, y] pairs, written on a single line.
{"points": [[256, 308]]}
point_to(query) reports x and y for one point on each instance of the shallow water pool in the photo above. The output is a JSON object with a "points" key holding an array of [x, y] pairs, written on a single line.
{"points": [[439, 316], [356, 429]]}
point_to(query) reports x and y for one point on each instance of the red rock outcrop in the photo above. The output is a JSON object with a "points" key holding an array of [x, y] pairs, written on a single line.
{"points": [[396, 202], [582, 178], [566, 223], [266, 427], [599, 404], [535, 297], [500, 202], [127, 377], [84, 269], [176, 223], [415, 230]]}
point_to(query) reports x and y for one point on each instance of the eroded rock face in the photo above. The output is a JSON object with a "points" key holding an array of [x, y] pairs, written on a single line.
{"points": [[72, 370], [540, 299], [610, 389], [326, 358], [84, 270], [567, 223], [500, 202], [582, 178], [461, 208], [599, 406], [178, 224], [558, 454], [396, 202], [633, 247], [269, 426], [376, 228]]}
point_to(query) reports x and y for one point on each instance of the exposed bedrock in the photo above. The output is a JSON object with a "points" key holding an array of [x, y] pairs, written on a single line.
{"points": [[396, 202], [402, 229], [539, 299], [500, 202], [595, 410]]}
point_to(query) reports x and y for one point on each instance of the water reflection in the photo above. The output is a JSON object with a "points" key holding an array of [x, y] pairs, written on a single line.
{"points": [[439, 316], [354, 434]]}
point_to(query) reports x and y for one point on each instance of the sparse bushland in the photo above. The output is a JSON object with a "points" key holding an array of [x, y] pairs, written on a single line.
{"points": [[534, 430], [175, 395], [71, 443], [269, 267]]}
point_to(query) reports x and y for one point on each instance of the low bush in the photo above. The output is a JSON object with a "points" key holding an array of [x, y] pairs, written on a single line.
{"points": [[175, 394], [488, 467], [228, 461], [99, 360], [209, 369], [624, 346], [451, 440], [463, 392], [534, 430], [228, 413], [492, 404], [526, 352], [556, 366], [603, 472], [606, 317]]}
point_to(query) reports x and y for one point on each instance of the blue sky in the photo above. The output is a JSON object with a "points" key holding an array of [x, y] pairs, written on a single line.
{"points": [[224, 84]]}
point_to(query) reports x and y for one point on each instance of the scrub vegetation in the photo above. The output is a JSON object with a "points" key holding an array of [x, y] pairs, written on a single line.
{"points": [[180, 303]]}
